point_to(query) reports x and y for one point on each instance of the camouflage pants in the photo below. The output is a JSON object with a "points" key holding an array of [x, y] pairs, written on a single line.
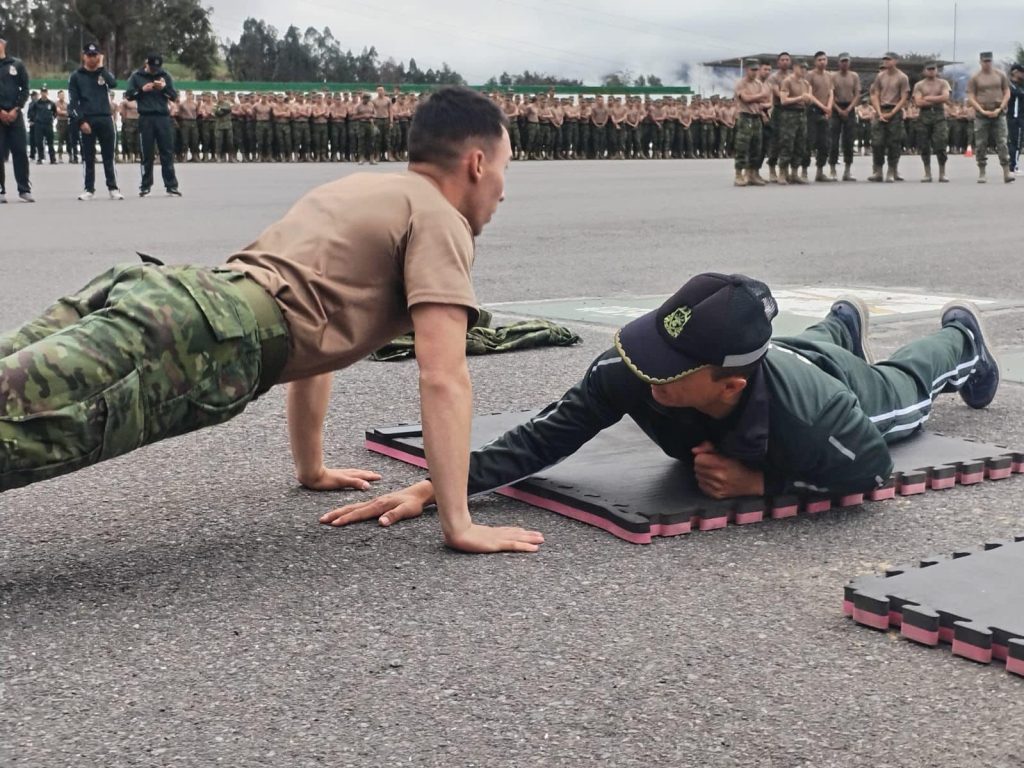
{"points": [[382, 136], [776, 133], [130, 139], [140, 354], [932, 134], [238, 135], [748, 142], [225, 142], [318, 141], [339, 142], [367, 140], [264, 139], [887, 140], [301, 138], [792, 136], [990, 133], [283, 140], [206, 134], [189, 138], [817, 138], [841, 131]]}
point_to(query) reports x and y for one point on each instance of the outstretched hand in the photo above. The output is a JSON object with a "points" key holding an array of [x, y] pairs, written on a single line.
{"points": [[721, 477], [388, 509], [483, 539], [338, 479]]}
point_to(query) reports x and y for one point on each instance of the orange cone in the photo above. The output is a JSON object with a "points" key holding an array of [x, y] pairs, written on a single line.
{"points": [[969, 152]]}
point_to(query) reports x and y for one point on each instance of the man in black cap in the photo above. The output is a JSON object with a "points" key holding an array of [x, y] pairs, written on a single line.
{"points": [[153, 89], [755, 416], [89, 108], [45, 114], [1015, 114], [13, 95]]}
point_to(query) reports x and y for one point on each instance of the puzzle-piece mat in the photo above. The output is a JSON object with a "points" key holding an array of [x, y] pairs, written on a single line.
{"points": [[623, 483], [973, 601]]}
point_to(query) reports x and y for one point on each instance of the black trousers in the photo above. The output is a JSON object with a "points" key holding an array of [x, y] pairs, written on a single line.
{"points": [[44, 140], [157, 128], [1015, 129], [13, 141], [103, 132]]}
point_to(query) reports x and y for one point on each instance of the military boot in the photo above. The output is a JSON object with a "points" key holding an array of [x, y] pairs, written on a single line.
{"points": [[803, 175], [981, 174], [927, 174], [896, 171], [783, 177], [1008, 176], [876, 175], [772, 176], [798, 177], [832, 173], [822, 176], [942, 174], [890, 175], [740, 180], [848, 173], [754, 179]]}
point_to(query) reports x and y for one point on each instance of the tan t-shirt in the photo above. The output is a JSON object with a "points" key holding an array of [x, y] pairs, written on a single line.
{"points": [[890, 87], [846, 87], [988, 89], [350, 259], [748, 88], [821, 85]]}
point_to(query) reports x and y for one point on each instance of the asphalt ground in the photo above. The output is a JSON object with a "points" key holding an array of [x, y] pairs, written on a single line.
{"points": [[181, 605]]}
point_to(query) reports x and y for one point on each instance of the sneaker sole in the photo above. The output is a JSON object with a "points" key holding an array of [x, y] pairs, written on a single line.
{"points": [[865, 325], [971, 307]]}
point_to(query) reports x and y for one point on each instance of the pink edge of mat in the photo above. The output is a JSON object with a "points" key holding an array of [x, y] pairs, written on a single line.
{"points": [[946, 634], [942, 483], [971, 479], [850, 501], [1015, 665], [869, 619], [847, 607], [1018, 467], [713, 523], [972, 652], [999, 474], [919, 635], [580, 515], [779, 513], [882, 494], [746, 518], [1000, 652], [912, 489], [394, 453], [895, 618], [817, 507]]}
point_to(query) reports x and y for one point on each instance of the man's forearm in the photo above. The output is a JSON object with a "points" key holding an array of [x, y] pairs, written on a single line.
{"points": [[446, 399], [307, 407]]}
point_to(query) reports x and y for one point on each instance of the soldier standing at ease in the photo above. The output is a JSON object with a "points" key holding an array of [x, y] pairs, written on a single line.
{"points": [[46, 112], [151, 89], [318, 129], [207, 132], [302, 112], [262, 117], [129, 112], [598, 127], [750, 99], [282, 114], [1015, 114], [63, 139], [931, 96], [889, 94], [382, 117], [224, 140], [988, 92], [783, 62], [819, 113], [865, 117], [363, 114], [794, 95], [189, 128], [843, 125], [13, 95]]}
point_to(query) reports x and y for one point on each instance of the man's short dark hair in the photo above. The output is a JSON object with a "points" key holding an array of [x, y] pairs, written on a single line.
{"points": [[718, 373], [820, 53], [784, 53], [447, 119]]}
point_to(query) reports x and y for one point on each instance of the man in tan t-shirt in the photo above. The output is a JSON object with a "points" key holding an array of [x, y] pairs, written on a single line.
{"points": [[843, 125], [988, 92], [353, 264], [931, 95], [889, 94], [819, 113]]}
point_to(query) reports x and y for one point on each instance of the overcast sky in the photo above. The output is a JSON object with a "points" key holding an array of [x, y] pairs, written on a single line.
{"points": [[588, 38]]}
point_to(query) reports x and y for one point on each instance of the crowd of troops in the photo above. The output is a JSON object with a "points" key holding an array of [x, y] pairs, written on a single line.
{"points": [[795, 113]]}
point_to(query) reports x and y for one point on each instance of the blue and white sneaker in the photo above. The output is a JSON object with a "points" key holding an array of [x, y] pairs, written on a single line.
{"points": [[980, 388], [854, 314]]}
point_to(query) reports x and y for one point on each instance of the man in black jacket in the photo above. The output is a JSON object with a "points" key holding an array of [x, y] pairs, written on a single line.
{"points": [[1015, 114], [754, 416], [89, 108], [13, 95], [153, 88], [45, 114]]}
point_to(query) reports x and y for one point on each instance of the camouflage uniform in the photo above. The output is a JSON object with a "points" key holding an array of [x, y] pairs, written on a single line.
{"points": [[224, 138], [887, 139], [991, 133], [932, 133], [748, 141], [140, 354], [792, 135]]}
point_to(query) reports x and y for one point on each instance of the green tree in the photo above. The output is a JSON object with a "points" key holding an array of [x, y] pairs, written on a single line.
{"points": [[254, 56]]}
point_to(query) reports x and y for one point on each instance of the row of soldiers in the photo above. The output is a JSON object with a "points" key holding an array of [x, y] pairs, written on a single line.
{"points": [[792, 113]]}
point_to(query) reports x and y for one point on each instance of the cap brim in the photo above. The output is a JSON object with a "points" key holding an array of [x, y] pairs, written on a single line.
{"points": [[648, 355]]}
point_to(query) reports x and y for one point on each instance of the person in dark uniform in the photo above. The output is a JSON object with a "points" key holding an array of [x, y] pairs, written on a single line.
{"points": [[152, 88], [1015, 114], [89, 90], [45, 114], [13, 95], [30, 113], [751, 414]]}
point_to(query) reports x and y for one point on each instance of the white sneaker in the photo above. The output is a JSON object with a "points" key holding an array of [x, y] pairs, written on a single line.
{"points": [[86, 196], [115, 194]]}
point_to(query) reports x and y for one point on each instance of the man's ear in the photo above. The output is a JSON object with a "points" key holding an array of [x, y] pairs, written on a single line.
{"points": [[734, 385], [476, 164]]}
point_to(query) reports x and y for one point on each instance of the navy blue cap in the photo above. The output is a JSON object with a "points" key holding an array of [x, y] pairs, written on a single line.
{"points": [[155, 59], [91, 48], [715, 319]]}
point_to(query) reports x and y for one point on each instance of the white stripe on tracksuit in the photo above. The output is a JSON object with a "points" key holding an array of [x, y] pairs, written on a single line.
{"points": [[925, 405]]}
